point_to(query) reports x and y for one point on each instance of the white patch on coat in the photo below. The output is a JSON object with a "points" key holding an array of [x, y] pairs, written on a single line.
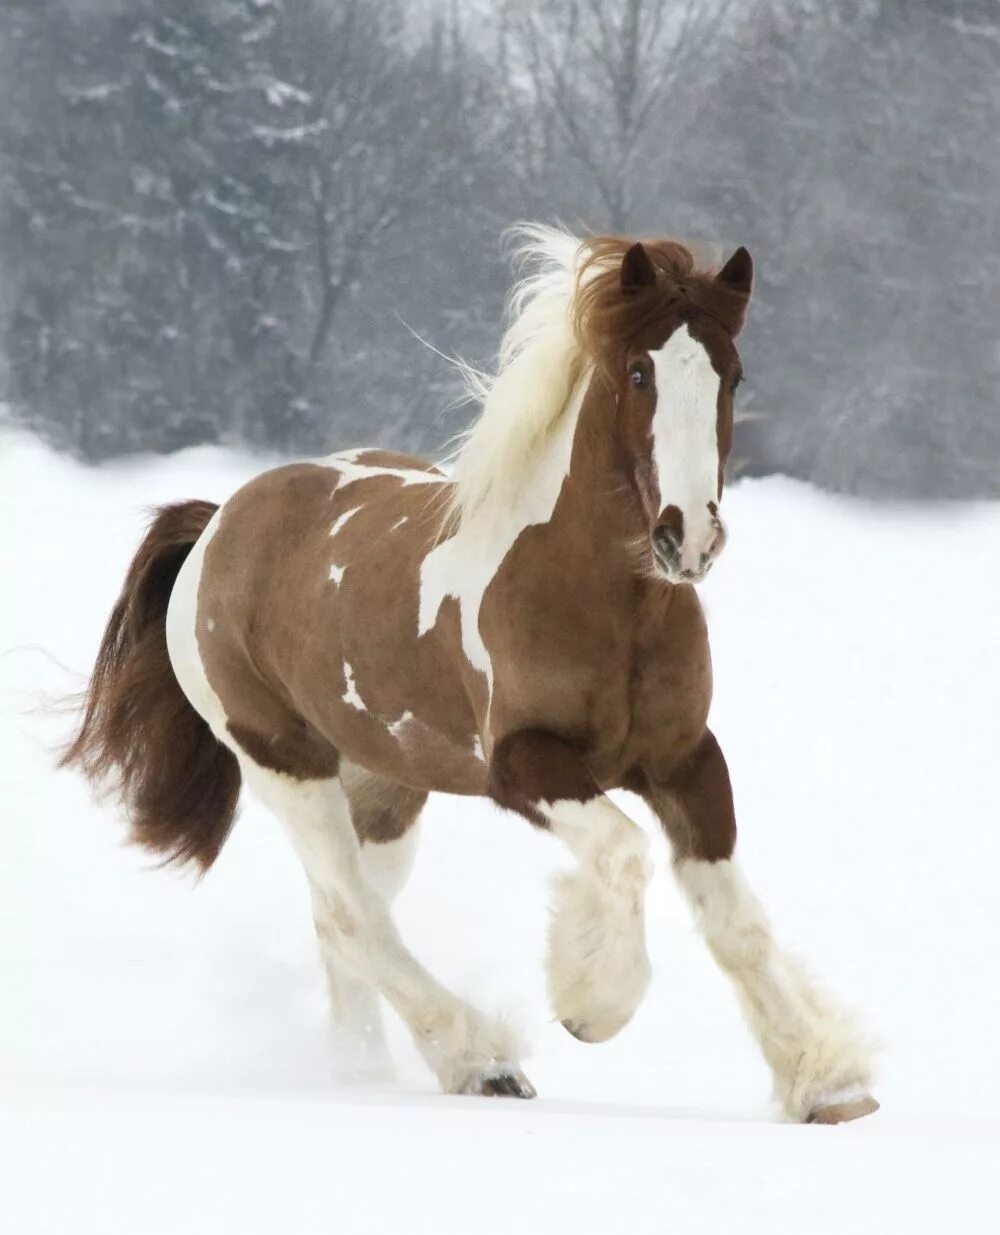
{"points": [[211, 625], [399, 523], [477, 749], [397, 727], [814, 1046], [464, 565], [342, 519], [685, 438], [598, 968], [336, 574], [182, 641], [351, 471], [350, 695]]}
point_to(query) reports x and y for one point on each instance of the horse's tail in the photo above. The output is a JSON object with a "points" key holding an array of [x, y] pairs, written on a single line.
{"points": [[179, 784]]}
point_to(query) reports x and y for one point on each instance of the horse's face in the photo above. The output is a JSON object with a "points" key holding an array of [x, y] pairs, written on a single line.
{"points": [[675, 414]]}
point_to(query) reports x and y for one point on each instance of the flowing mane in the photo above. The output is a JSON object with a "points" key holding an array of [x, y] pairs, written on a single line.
{"points": [[538, 363], [564, 316]]}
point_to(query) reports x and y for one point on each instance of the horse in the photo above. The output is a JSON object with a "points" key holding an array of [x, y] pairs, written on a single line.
{"points": [[347, 634]]}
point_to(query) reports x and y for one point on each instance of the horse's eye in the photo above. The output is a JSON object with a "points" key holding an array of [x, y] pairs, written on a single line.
{"points": [[637, 377]]}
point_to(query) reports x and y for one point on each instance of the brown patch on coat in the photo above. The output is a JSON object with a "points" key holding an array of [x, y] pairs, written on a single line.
{"points": [[178, 784], [396, 459], [532, 766], [381, 810], [694, 803], [292, 747]]}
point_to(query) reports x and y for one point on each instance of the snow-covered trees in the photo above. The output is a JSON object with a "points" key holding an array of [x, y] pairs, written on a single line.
{"points": [[215, 215], [195, 186]]}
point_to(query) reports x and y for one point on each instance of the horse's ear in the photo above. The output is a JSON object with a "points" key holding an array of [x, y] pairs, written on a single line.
{"points": [[637, 270], [737, 273]]}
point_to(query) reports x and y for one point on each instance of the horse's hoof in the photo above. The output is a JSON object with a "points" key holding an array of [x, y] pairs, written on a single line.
{"points": [[843, 1112], [501, 1082], [580, 1030]]}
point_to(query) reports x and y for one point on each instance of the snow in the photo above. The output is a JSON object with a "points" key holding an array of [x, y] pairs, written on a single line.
{"points": [[278, 93], [163, 1056], [271, 136]]}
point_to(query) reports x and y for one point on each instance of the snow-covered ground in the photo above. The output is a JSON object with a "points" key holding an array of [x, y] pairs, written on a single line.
{"points": [[162, 1043]]}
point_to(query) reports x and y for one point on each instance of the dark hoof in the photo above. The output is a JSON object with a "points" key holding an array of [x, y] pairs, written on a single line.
{"points": [[843, 1112], [510, 1083], [580, 1030]]}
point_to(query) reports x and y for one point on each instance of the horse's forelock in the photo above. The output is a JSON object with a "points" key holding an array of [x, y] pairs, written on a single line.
{"points": [[608, 320]]}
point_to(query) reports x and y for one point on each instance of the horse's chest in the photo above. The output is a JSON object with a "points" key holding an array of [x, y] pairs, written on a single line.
{"points": [[670, 697], [671, 682]]}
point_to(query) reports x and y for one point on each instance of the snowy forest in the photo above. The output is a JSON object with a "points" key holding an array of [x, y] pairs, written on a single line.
{"points": [[237, 221]]}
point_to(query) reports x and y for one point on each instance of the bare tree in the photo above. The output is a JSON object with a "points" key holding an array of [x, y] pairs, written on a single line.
{"points": [[599, 77], [365, 132]]}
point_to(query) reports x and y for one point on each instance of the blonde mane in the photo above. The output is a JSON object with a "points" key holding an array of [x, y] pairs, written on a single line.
{"points": [[539, 363]]}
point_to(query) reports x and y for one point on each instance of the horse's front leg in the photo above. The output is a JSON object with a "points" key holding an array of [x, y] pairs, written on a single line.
{"points": [[598, 970], [820, 1060]]}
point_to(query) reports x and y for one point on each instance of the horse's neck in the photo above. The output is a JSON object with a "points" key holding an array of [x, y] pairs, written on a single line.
{"points": [[599, 498], [576, 484], [576, 489]]}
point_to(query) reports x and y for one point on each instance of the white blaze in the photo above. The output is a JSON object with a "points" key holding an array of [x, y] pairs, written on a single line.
{"points": [[685, 438]]}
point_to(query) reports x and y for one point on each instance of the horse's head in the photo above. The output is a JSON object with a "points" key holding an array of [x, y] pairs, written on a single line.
{"points": [[663, 336]]}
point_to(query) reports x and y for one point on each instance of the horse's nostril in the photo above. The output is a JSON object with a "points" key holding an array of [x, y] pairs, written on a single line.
{"points": [[665, 542]]}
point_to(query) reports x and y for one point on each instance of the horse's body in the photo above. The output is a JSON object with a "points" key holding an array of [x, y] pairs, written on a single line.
{"points": [[361, 630]]}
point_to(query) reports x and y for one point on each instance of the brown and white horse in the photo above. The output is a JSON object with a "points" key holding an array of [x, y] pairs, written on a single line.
{"points": [[346, 635]]}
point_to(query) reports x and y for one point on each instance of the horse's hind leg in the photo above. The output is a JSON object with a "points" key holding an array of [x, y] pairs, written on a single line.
{"points": [[819, 1058], [469, 1053], [358, 1032], [386, 819]]}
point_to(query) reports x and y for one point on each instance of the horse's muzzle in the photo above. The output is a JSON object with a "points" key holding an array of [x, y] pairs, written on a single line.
{"points": [[685, 559]]}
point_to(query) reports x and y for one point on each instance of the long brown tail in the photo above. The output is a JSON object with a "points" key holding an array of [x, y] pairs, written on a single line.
{"points": [[178, 783]]}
